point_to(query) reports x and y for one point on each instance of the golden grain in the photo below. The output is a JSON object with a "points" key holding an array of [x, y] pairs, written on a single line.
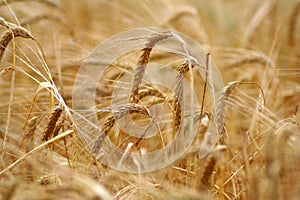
{"points": [[13, 32], [52, 123], [261, 137], [142, 63]]}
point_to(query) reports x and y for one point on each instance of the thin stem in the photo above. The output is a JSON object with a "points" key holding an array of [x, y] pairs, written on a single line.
{"points": [[205, 83]]}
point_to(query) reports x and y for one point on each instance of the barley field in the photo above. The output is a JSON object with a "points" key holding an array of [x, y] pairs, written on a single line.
{"points": [[158, 99]]}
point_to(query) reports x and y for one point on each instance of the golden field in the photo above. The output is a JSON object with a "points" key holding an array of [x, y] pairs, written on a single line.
{"points": [[255, 46]]}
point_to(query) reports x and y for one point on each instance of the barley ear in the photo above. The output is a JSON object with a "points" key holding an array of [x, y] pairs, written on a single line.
{"points": [[50, 128], [12, 32]]}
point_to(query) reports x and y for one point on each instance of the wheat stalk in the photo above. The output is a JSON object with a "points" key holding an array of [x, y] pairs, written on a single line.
{"points": [[206, 175], [261, 59], [178, 97], [53, 118], [14, 31], [177, 102], [117, 113], [139, 73], [228, 90], [142, 63], [146, 91]]}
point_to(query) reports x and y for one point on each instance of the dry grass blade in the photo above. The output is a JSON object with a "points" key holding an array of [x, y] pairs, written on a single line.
{"points": [[4, 23], [55, 139], [205, 83], [10, 104]]}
